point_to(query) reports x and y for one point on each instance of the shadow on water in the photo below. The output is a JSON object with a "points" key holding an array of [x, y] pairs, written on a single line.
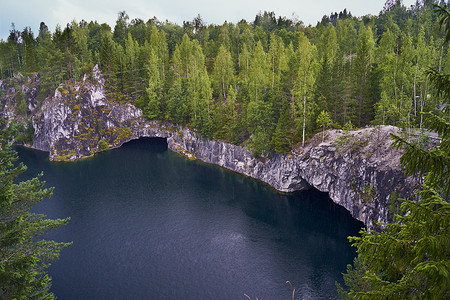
{"points": [[149, 224]]}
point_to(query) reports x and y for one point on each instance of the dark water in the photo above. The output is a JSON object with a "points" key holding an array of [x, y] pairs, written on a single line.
{"points": [[149, 224]]}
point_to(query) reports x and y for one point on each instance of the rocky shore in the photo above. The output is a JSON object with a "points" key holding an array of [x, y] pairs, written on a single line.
{"points": [[359, 169]]}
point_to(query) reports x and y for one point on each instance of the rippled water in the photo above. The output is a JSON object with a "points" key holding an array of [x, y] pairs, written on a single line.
{"points": [[150, 224]]}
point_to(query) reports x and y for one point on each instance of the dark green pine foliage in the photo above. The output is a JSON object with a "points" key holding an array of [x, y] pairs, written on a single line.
{"points": [[24, 254], [409, 259]]}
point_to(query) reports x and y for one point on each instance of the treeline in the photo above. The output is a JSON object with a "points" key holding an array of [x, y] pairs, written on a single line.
{"points": [[263, 83]]}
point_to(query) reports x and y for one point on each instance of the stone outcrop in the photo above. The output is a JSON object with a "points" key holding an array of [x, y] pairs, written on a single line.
{"points": [[359, 169], [19, 88]]}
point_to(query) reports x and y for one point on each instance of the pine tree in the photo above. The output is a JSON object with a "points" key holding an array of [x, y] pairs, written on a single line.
{"points": [[24, 255]]}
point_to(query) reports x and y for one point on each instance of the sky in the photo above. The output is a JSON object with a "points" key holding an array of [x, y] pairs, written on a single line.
{"points": [[30, 13]]}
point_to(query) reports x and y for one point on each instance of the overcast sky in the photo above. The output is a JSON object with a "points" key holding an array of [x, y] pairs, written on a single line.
{"points": [[31, 12]]}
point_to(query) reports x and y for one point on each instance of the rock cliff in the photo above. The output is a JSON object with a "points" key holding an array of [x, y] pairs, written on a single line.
{"points": [[359, 169]]}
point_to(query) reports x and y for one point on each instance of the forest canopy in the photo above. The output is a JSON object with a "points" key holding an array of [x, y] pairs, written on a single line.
{"points": [[262, 83]]}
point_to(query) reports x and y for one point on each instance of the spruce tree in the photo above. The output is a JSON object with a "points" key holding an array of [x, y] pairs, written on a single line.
{"points": [[282, 137], [24, 254]]}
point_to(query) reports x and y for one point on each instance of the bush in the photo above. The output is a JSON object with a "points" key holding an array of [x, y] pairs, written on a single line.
{"points": [[102, 145]]}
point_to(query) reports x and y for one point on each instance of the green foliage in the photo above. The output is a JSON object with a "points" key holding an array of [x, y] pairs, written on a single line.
{"points": [[21, 105], [364, 70], [348, 126], [102, 145], [282, 137], [223, 73], [324, 121], [264, 84], [24, 255], [302, 106], [355, 278], [153, 109], [260, 142], [409, 258], [22, 132]]}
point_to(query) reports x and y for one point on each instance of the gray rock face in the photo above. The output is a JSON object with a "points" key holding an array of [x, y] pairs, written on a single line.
{"points": [[362, 183], [29, 87], [359, 169]]}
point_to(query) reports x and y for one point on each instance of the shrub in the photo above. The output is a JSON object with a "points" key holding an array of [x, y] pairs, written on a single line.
{"points": [[102, 145]]}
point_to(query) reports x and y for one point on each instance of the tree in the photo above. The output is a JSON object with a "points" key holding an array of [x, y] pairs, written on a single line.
{"points": [[387, 58], [159, 45], [348, 45], [277, 59], [282, 137], [260, 142], [395, 63], [223, 73], [244, 63], [108, 60], [121, 28], [24, 255], [323, 120], [303, 86], [363, 65], [30, 52], [131, 67], [326, 78], [81, 41], [409, 259], [258, 73], [153, 108]]}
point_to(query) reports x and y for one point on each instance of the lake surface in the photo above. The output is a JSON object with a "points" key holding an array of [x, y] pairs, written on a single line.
{"points": [[147, 223]]}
